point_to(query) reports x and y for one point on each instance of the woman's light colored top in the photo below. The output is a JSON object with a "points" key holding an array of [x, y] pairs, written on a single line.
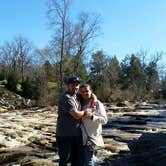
{"points": [[94, 126]]}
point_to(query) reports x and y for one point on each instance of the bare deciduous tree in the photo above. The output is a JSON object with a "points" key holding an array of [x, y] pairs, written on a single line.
{"points": [[23, 48], [15, 55], [86, 30], [70, 39], [58, 12]]}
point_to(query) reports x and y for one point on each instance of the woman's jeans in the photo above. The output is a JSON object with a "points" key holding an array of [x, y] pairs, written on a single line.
{"points": [[88, 155], [70, 150]]}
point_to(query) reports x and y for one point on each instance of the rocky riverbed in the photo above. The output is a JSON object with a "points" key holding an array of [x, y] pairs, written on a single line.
{"points": [[134, 130]]}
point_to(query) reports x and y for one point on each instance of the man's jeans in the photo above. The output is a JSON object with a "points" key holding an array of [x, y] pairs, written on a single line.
{"points": [[88, 154], [70, 149]]}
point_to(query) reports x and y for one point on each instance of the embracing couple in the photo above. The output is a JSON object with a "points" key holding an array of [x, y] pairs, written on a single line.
{"points": [[79, 124]]}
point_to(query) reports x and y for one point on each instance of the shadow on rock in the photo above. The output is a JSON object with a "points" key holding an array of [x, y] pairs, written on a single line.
{"points": [[149, 150]]}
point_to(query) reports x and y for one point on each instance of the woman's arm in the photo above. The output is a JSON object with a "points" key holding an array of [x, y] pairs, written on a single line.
{"points": [[100, 115]]}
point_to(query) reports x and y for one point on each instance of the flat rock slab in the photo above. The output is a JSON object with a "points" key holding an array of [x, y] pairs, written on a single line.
{"points": [[27, 137]]}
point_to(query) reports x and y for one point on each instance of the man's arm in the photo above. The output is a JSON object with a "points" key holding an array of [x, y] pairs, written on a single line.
{"points": [[76, 114], [80, 114], [72, 109]]}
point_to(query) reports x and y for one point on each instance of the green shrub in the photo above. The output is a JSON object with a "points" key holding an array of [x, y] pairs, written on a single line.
{"points": [[27, 88], [12, 81]]}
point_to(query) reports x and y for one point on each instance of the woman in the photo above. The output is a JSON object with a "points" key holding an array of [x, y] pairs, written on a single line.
{"points": [[91, 123]]}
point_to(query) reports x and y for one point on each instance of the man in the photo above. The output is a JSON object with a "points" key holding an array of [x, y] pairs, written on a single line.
{"points": [[68, 132]]}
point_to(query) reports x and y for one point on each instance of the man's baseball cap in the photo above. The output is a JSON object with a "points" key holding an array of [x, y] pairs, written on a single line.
{"points": [[73, 80]]}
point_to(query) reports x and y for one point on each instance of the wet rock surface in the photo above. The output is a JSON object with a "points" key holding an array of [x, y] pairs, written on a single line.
{"points": [[149, 150], [143, 128], [27, 136]]}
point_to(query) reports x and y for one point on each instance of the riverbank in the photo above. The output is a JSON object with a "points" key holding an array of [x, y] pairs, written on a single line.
{"points": [[27, 136]]}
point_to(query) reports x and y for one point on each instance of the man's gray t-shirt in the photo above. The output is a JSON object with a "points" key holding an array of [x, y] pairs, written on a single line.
{"points": [[66, 124]]}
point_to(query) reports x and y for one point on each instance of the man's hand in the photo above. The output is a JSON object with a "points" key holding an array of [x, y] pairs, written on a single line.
{"points": [[94, 97], [88, 113], [94, 102]]}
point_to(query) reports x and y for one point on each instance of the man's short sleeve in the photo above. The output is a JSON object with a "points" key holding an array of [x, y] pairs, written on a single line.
{"points": [[69, 103]]}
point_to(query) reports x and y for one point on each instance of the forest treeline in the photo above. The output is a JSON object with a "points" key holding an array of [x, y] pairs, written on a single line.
{"points": [[36, 77], [40, 74]]}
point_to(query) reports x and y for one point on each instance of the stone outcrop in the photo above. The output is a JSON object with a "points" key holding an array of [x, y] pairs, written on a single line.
{"points": [[144, 131], [27, 136], [149, 150], [11, 101]]}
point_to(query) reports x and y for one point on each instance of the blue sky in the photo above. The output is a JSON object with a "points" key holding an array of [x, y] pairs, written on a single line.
{"points": [[127, 25]]}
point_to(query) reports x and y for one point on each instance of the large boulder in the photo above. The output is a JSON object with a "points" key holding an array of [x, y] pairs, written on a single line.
{"points": [[148, 150], [148, 142]]}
